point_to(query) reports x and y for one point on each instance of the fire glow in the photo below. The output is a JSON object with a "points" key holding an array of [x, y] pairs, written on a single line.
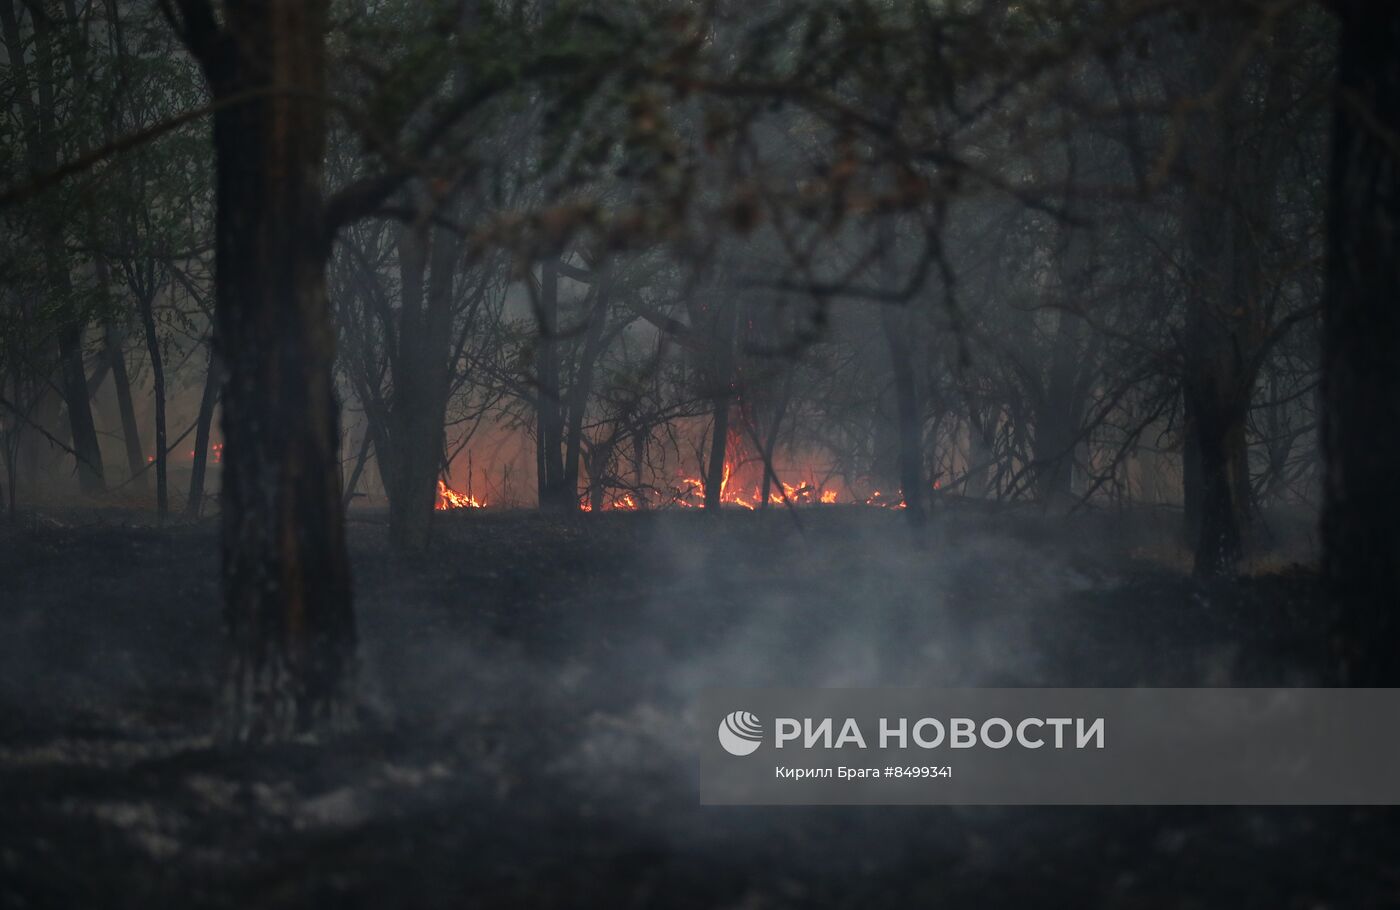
{"points": [[689, 493], [448, 498]]}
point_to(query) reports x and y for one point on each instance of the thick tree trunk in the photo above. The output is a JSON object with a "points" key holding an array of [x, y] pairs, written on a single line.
{"points": [[1063, 396], [639, 451], [91, 477], [9, 444], [719, 443], [408, 431], [148, 325], [554, 492], [1058, 415], [353, 484], [895, 322], [121, 384], [286, 578], [1190, 474], [412, 463], [1361, 373], [884, 430], [598, 458], [194, 505], [582, 387], [980, 450], [114, 359], [1223, 288], [724, 322], [1216, 436], [770, 440], [898, 326]]}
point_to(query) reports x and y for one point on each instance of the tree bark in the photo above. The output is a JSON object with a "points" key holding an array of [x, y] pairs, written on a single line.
{"points": [[286, 578], [1361, 335], [895, 322], [412, 460], [148, 325], [121, 385], [554, 492], [898, 325], [1223, 292], [770, 440], [725, 323], [981, 447], [194, 505], [1059, 411], [582, 386], [719, 443], [91, 477], [361, 456]]}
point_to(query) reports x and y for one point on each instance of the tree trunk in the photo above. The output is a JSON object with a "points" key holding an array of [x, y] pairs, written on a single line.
{"points": [[1361, 375], [554, 492], [91, 477], [1058, 414], [895, 322], [724, 324], [121, 384], [598, 458], [1216, 434], [194, 505], [148, 324], [417, 410], [980, 450], [9, 443], [353, 483], [286, 578], [115, 361], [884, 422], [770, 440], [1223, 282], [582, 386], [719, 442]]}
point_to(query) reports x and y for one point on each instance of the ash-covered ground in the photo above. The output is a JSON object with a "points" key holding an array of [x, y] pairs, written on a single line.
{"points": [[525, 739]]}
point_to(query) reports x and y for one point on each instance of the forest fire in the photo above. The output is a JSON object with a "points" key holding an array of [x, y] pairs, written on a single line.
{"points": [[898, 352], [884, 500], [790, 479], [624, 502], [688, 492], [448, 498]]}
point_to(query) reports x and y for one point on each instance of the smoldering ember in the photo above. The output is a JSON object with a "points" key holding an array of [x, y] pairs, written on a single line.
{"points": [[412, 412]]}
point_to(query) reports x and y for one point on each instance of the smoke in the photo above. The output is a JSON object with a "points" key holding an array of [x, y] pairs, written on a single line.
{"points": [[533, 669], [580, 681]]}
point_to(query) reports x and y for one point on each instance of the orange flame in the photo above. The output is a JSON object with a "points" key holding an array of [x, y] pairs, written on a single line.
{"points": [[690, 493], [623, 503], [448, 498]]}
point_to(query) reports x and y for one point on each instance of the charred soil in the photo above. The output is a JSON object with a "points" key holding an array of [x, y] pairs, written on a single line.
{"points": [[524, 733]]}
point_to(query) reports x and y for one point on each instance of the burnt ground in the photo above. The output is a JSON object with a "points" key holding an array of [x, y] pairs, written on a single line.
{"points": [[523, 740]]}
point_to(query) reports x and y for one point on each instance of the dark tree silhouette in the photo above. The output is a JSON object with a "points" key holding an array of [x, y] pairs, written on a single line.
{"points": [[286, 578], [1361, 375], [35, 96]]}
